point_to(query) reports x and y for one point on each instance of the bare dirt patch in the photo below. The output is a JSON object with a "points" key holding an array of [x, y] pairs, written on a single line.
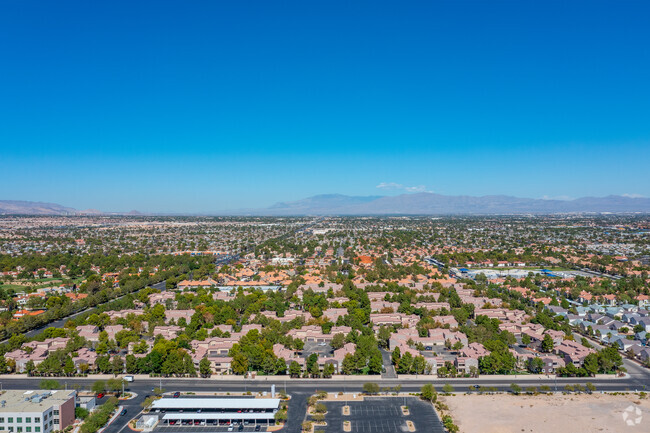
{"points": [[503, 413]]}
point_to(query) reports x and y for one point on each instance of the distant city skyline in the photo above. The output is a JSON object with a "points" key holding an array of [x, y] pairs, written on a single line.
{"points": [[210, 106]]}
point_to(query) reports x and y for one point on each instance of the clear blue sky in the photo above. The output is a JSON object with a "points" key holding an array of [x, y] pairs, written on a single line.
{"points": [[198, 106]]}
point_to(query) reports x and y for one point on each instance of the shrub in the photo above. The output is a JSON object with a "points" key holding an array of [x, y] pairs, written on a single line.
{"points": [[81, 413]]}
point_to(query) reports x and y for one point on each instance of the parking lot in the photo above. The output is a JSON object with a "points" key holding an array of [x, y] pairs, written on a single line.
{"points": [[382, 415], [314, 347]]}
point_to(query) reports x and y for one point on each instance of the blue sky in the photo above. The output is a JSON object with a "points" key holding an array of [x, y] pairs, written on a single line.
{"points": [[211, 105]]}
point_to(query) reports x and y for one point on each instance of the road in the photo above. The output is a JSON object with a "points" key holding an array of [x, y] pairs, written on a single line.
{"points": [[301, 389]]}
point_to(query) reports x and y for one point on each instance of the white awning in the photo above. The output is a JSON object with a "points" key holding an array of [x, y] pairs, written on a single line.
{"points": [[216, 403], [219, 416]]}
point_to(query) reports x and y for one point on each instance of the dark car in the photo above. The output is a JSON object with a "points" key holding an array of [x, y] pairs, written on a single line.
{"points": [[241, 427], [258, 427], [123, 412], [177, 394]]}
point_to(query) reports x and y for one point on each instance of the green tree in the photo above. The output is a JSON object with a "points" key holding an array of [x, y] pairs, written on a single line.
{"points": [[114, 384], [428, 392], [338, 341], [204, 367], [525, 339], [396, 356], [117, 365], [239, 364], [375, 363], [419, 365], [447, 388], [516, 389], [188, 365], [547, 344], [328, 370], [49, 384], [314, 370], [69, 367], [590, 364], [349, 365], [131, 364], [173, 364], [294, 369], [536, 365], [370, 388], [30, 367], [81, 413], [98, 386], [383, 336], [405, 363]]}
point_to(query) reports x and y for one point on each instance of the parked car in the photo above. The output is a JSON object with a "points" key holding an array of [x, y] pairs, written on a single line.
{"points": [[258, 427], [177, 394], [230, 429], [241, 427], [100, 395]]}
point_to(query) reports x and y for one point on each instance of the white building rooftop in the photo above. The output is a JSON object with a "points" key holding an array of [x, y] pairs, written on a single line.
{"points": [[216, 403]]}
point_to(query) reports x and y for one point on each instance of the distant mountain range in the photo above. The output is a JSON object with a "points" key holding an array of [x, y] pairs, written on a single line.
{"points": [[406, 204], [17, 207], [436, 204]]}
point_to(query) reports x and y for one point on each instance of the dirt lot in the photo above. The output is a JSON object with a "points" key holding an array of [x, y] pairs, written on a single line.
{"points": [[549, 413]]}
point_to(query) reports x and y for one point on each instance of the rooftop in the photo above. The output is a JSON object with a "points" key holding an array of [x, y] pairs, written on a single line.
{"points": [[33, 401], [216, 403]]}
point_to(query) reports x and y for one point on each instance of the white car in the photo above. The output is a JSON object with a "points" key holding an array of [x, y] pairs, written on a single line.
{"points": [[230, 429]]}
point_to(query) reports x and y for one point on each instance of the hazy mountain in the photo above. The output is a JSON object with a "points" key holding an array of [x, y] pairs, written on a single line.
{"points": [[437, 204], [318, 205], [16, 207], [406, 204]]}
